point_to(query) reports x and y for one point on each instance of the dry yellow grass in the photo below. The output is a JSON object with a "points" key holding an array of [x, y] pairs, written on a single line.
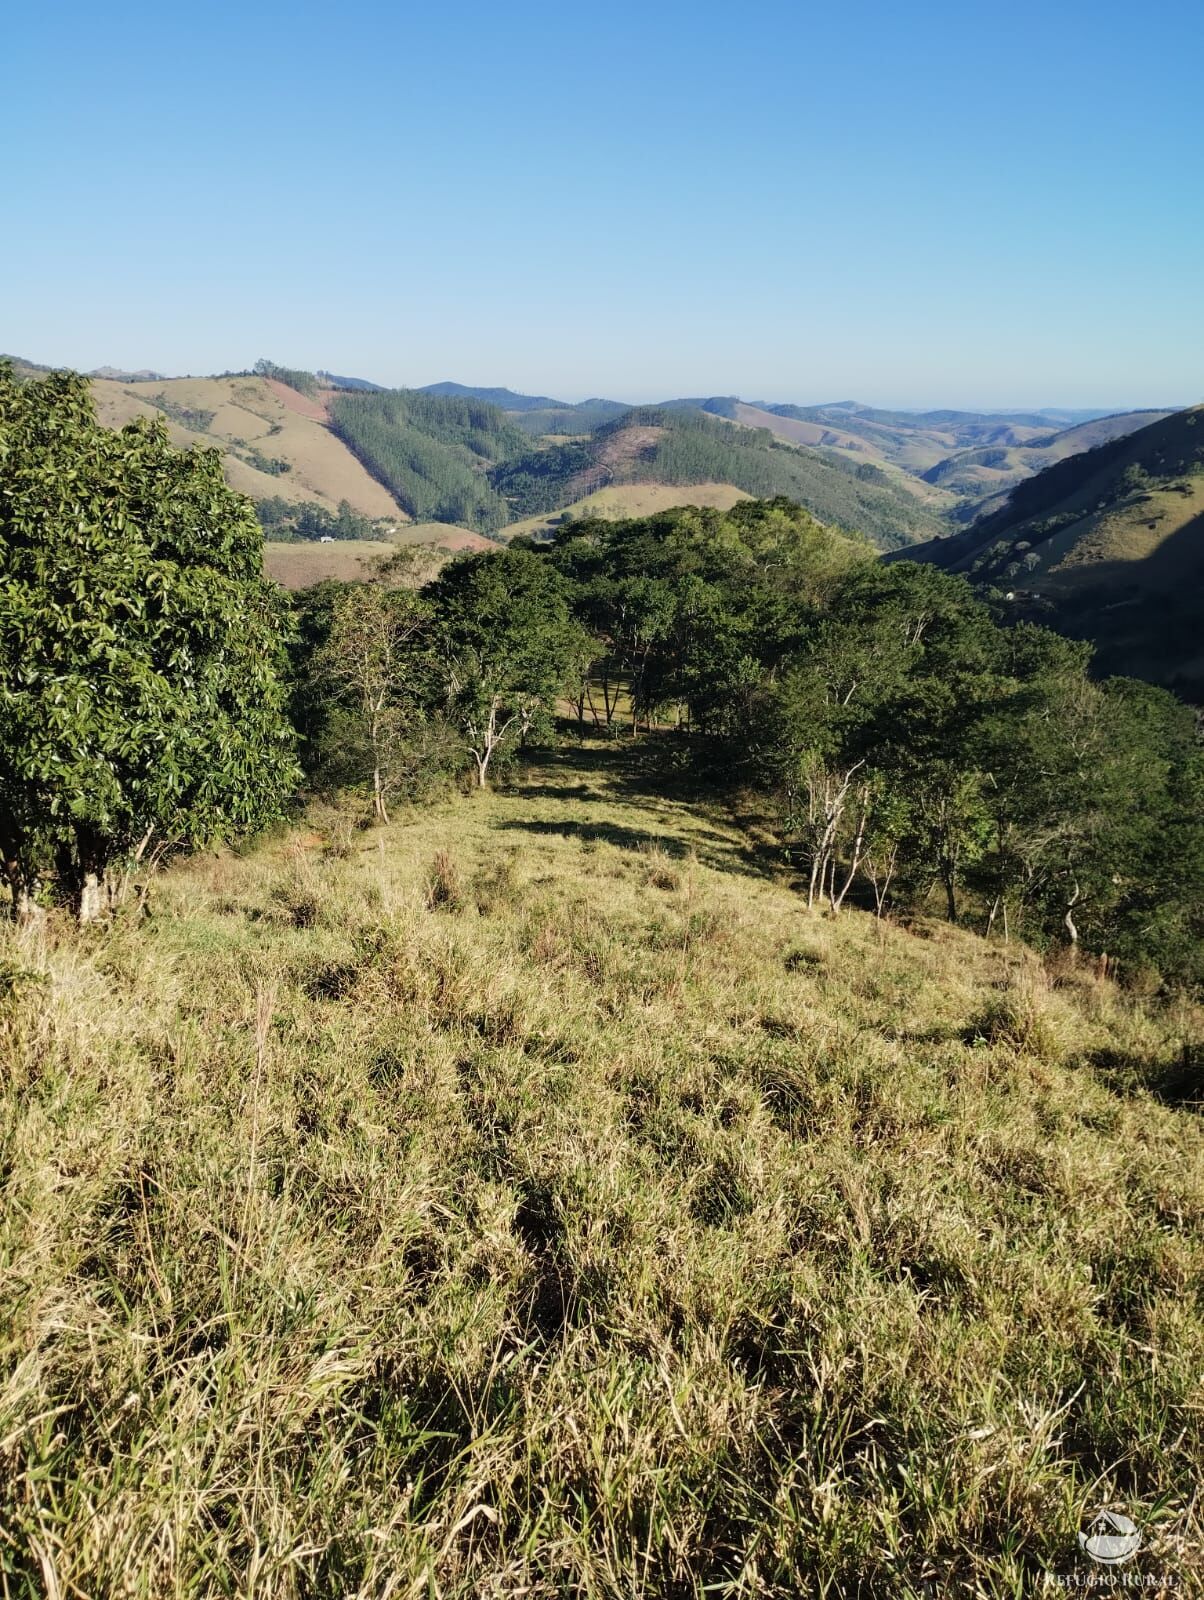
{"points": [[531, 1198], [245, 413], [633, 500], [303, 562]]}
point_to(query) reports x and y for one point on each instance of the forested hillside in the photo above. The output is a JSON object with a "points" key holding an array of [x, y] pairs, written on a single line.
{"points": [[431, 451], [583, 417], [654, 444], [1108, 546]]}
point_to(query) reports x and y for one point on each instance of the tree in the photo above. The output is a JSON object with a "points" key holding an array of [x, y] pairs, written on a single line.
{"points": [[141, 649], [374, 661], [508, 647]]}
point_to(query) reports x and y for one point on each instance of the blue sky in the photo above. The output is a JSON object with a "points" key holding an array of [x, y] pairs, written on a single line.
{"points": [[921, 204]]}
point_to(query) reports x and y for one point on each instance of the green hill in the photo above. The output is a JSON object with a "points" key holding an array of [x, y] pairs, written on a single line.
{"points": [[432, 451], [985, 475], [583, 417], [504, 399], [1108, 546], [683, 446]]}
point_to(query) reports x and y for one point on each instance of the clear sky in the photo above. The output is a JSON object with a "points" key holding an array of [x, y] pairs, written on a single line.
{"points": [[908, 204]]}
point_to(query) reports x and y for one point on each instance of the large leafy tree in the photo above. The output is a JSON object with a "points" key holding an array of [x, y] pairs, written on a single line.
{"points": [[141, 698], [366, 683], [508, 645]]}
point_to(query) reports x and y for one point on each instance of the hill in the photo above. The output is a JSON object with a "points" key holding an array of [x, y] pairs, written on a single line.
{"points": [[274, 439], [683, 446], [399, 1214], [537, 415], [431, 451], [504, 399], [627, 500], [583, 417], [1108, 546], [958, 463], [973, 457], [333, 381], [985, 475]]}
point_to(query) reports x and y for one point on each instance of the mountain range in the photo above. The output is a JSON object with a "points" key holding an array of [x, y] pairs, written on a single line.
{"points": [[1091, 521]]}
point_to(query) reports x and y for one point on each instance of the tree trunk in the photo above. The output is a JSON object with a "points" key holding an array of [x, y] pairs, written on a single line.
{"points": [[89, 899], [378, 796], [949, 879]]}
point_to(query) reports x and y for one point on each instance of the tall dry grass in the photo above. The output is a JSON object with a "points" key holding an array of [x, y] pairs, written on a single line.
{"points": [[534, 1200]]}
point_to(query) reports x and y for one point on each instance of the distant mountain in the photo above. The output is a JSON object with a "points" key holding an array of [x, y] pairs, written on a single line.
{"points": [[1106, 545], [971, 458], [504, 399], [144, 375]]}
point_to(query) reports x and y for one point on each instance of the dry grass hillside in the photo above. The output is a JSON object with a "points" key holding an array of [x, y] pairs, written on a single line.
{"points": [[298, 563], [631, 500], [247, 416], [531, 1198]]}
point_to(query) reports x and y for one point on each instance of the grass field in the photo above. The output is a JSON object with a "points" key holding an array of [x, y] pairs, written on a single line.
{"points": [[632, 500], [298, 564], [532, 1199]]}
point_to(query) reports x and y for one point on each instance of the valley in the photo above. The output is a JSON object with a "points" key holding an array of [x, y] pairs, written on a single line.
{"points": [[1107, 545]]}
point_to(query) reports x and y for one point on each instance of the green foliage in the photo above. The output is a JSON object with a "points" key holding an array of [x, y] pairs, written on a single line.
{"points": [[585, 417], [369, 679], [431, 452], [196, 418], [395, 690], [695, 605], [913, 744], [140, 647], [508, 647], [308, 519], [274, 466]]}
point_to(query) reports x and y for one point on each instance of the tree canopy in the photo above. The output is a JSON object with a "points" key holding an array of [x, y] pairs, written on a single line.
{"points": [[141, 654]]}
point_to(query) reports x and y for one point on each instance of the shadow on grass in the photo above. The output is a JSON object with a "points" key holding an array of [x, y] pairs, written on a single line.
{"points": [[609, 832], [658, 773], [1176, 1080]]}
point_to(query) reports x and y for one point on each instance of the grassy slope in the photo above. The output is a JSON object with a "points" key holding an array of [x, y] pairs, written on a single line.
{"points": [[633, 500], [299, 563], [1124, 569], [622, 1231], [245, 412]]}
